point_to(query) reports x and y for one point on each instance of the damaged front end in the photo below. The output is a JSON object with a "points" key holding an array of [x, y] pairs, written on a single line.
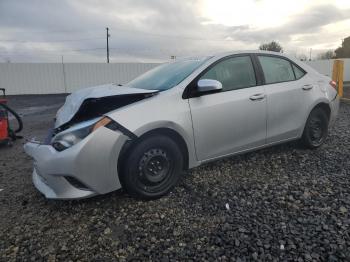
{"points": [[78, 159], [94, 102]]}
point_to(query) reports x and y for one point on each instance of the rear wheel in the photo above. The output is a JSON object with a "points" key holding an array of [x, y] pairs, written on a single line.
{"points": [[316, 129], [152, 167]]}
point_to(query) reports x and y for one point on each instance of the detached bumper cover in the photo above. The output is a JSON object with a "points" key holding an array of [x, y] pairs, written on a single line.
{"points": [[92, 162]]}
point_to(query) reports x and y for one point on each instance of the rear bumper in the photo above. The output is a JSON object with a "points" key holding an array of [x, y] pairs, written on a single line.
{"points": [[92, 163]]}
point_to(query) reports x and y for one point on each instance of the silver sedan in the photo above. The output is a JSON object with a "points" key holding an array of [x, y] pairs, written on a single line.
{"points": [[142, 136]]}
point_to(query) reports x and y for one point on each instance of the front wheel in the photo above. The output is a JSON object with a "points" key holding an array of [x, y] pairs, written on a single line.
{"points": [[152, 167], [316, 129]]}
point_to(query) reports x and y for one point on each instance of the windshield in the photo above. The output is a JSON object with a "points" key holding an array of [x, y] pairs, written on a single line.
{"points": [[168, 75]]}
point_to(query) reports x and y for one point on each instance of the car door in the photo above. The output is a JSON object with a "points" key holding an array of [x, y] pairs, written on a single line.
{"points": [[289, 90], [233, 119]]}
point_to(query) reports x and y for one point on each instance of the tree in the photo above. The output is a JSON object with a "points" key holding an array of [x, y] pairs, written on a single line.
{"points": [[326, 55], [272, 46], [344, 50]]}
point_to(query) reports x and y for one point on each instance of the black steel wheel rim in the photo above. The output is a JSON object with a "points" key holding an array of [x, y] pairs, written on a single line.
{"points": [[155, 169]]}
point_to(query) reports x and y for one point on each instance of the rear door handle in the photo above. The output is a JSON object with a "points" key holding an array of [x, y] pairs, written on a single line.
{"points": [[307, 87], [257, 97]]}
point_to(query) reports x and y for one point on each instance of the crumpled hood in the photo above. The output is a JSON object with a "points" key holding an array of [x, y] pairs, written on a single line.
{"points": [[75, 100]]}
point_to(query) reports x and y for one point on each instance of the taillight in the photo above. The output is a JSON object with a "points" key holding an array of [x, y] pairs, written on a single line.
{"points": [[333, 84]]}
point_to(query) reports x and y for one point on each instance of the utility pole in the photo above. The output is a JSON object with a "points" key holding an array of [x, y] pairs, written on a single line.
{"points": [[310, 54], [64, 75], [108, 35]]}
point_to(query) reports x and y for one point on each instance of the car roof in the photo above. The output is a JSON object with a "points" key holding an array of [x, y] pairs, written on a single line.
{"points": [[221, 54], [228, 53], [305, 66]]}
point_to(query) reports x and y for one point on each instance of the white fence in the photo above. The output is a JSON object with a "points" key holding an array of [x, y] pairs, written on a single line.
{"points": [[51, 78], [35, 78], [325, 67]]}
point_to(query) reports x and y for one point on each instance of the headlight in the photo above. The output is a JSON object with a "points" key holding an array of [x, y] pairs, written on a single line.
{"points": [[74, 135]]}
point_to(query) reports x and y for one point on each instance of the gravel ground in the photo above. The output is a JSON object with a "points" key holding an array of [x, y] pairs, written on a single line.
{"points": [[281, 203]]}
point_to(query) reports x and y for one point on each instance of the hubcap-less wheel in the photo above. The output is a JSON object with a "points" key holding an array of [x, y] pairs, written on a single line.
{"points": [[154, 167], [316, 129]]}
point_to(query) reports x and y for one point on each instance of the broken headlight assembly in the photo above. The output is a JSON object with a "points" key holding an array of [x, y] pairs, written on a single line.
{"points": [[74, 135]]}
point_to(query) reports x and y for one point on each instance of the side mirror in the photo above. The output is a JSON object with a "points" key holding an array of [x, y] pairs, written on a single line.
{"points": [[207, 85]]}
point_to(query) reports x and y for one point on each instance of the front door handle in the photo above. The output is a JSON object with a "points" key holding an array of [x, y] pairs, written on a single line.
{"points": [[257, 97], [307, 87]]}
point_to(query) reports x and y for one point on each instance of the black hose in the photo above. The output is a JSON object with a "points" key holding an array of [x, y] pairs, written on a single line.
{"points": [[18, 118]]}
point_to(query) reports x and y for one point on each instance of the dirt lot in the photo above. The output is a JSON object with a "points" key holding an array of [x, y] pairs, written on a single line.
{"points": [[285, 203]]}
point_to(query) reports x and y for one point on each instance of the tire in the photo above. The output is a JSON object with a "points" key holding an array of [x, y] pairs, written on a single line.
{"points": [[316, 129], [152, 167]]}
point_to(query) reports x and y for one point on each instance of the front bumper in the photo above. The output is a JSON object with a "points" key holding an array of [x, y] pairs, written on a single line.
{"points": [[92, 163]]}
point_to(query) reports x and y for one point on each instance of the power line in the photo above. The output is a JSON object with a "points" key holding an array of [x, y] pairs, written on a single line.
{"points": [[52, 41], [175, 36], [120, 29], [183, 37], [79, 50], [54, 31], [52, 51], [117, 49]]}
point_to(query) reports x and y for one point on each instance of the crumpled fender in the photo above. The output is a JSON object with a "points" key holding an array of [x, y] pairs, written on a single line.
{"points": [[89, 102]]}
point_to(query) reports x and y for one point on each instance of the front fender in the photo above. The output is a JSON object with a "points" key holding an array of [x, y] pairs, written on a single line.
{"points": [[166, 110]]}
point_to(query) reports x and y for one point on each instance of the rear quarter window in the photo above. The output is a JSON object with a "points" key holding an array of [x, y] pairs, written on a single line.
{"points": [[298, 72]]}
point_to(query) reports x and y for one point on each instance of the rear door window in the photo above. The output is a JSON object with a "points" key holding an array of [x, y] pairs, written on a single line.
{"points": [[276, 69]]}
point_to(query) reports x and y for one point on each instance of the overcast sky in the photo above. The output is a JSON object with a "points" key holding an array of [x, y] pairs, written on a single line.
{"points": [[153, 30]]}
